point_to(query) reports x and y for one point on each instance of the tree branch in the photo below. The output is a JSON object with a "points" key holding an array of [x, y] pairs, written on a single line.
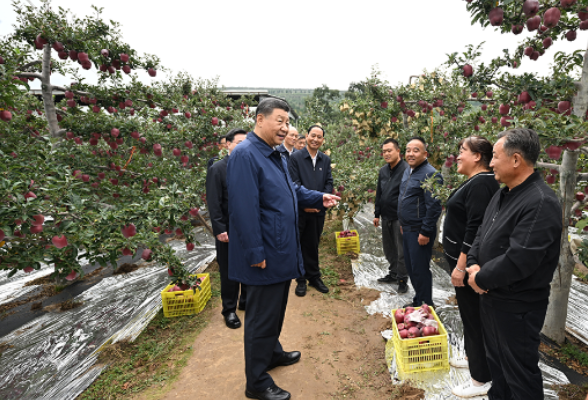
{"points": [[78, 92], [29, 65], [541, 164], [582, 177], [30, 75]]}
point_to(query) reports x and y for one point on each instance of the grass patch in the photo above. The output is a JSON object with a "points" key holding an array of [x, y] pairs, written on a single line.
{"points": [[573, 353], [571, 392], [582, 276], [156, 357]]}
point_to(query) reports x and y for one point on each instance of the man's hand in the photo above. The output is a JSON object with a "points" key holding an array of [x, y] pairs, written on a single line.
{"points": [[423, 240], [330, 200], [376, 222], [473, 271], [223, 237], [260, 265], [311, 210]]}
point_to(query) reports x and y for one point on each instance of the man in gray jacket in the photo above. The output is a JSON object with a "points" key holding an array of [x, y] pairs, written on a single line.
{"points": [[387, 210]]}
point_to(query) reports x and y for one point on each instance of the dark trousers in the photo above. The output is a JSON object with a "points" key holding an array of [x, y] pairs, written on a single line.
{"points": [[229, 288], [468, 302], [512, 348], [266, 308], [310, 226], [418, 259], [392, 244]]}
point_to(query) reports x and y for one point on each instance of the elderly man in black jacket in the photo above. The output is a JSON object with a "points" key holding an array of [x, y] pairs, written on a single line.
{"points": [[217, 199], [311, 168], [386, 209], [511, 264]]}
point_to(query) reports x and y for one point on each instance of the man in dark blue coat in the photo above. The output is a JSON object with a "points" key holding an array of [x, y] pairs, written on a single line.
{"points": [[418, 212], [288, 147], [264, 250], [312, 169], [217, 200]]}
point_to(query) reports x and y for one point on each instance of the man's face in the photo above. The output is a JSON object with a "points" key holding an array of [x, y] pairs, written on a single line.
{"points": [[315, 139], [274, 127], [223, 144], [390, 153], [300, 143], [291, 138], [415, 153], [237, 139], [501, 163]]}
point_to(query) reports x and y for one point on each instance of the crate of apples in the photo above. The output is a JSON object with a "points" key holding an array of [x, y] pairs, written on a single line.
{"points": [[412, 323]]}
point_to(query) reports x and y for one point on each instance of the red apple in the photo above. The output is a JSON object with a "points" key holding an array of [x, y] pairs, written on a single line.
{"points": [[525, 97], [5, 115], [59, 241], [36, 229], [214, 121], [146, 254], [583, 15], [553, 152], [114, 132], [467, 70], [533, 23], [38, 220], [516, 29], [193, 212], [399, 316], [189, 246], [504, 121], [188, 144], [531, 7], [127, 252], [580, 196], [551, 17], [30, 195], [151, 72], [28, 269], [496, 16], [73, 275], [563, 106], [547, 42], [124, 57], [571, 35]]}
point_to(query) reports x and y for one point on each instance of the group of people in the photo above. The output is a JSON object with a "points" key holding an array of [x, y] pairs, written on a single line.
{"points": [[502, 244]]}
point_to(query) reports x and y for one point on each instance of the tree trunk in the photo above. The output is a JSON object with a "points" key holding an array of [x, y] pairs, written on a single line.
{"points": [[47, 92], [557, 311]]}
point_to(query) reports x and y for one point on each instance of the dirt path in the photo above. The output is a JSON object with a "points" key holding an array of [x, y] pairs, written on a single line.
{"points": [[342, 353]]}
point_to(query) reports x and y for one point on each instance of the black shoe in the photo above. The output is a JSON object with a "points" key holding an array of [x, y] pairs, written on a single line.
{"points": [[241, 306], [388, 279], [271, 393], [402, 286], [232, 321], [319, 285], [300, 289], [288, 358], [411, 304]]}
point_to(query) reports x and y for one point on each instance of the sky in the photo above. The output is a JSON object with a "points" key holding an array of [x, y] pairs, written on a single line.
{"points": [[301, 44]]}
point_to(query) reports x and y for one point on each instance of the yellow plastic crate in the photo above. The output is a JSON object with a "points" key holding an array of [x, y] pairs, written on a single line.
{"points": [[186, 302], [347, 244], [420, 354]]}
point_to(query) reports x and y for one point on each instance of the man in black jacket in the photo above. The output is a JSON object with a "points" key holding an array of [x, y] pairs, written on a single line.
{"points": [[511, 264], [387, 209], [217, 199], [289, 145], [312, 169]]}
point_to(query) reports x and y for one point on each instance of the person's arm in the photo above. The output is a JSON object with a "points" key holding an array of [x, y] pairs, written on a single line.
{"points": [[244, 208], [377, 207], [329, 180], [476, 201], [214, 198], [537, 229], [294, 170], [433, 211]]}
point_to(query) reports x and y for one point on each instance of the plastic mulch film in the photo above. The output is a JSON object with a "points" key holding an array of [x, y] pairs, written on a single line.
{"points": [[54, 356], [372, 265]]}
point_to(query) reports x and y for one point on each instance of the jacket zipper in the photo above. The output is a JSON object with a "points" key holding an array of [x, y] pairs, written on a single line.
{"points": [[491, 225]]}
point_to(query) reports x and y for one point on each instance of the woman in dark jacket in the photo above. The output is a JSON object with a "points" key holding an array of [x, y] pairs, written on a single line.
{"points": [[465, 212]]}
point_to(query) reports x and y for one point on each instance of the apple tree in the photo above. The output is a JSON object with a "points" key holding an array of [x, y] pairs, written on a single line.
{"points": [[105, 171]]}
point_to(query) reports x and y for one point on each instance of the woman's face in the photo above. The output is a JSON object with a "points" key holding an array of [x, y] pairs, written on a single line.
{"points": [[466, 160]]}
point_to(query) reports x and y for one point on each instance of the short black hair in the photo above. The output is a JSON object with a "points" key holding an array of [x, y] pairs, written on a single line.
{"points": [[231, 135], [523, 141], [420, 139], [267, 106], [316, 126], [393, 141]]}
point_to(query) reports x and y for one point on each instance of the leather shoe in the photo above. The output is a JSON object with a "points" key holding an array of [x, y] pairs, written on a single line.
{"points": [[387, 279], [402, 286], [300, 290], [271, 393], [288, 358], [319, 285], [232, 321]]}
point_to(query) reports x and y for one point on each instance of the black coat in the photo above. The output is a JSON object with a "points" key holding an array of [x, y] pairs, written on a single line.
{"points": [[316, 177], [217, 197], [388, 190], [465, 211], [517, 246]]}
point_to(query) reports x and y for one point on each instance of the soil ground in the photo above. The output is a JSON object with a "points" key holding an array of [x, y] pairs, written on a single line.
{"points": [[342, 348]]}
